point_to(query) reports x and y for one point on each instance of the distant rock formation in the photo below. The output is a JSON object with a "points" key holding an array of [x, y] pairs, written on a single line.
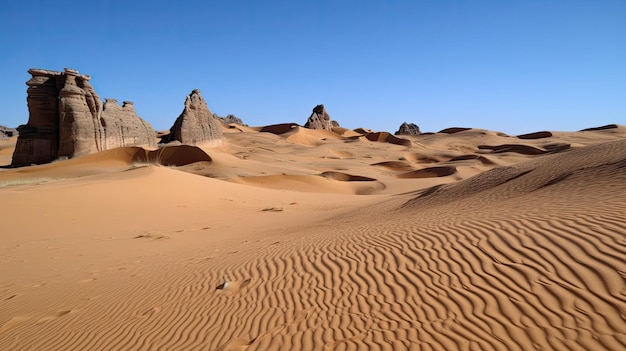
{"points": [[6, 132], [67, 119], [408, 129], [230, 119], [196, 124], [320, 119]]}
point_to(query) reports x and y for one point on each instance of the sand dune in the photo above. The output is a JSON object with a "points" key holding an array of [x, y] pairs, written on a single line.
{"points": [[308, 137], [331, 182], [517, 148], [453, 130], [480, 158], [536, 135], [395, 165], [113, 160], [429, 172], [279, 128], [294, 239], [605, 127], [387, 138]]}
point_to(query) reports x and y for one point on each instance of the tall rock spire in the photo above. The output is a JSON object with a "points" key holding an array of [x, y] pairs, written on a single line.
{"points": [[196, 124]]}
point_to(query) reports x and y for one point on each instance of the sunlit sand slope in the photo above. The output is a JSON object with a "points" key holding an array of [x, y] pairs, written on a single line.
{"points": [[524, 255]]}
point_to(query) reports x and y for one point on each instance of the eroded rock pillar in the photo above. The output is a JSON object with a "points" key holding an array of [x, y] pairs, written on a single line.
{"points": [[38, 139]]}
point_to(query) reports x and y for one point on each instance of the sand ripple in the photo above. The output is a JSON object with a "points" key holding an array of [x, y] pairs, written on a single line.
{"points": [[517, 258]]}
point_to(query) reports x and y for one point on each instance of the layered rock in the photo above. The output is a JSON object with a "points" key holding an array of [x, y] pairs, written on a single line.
{"points": [[196, 124], [123, 127], [80, 132], [320, 119], [408, 129], [66, 119], [38, 140]]}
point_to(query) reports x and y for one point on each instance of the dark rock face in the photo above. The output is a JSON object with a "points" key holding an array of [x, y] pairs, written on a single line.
{"points": [[408, 129], [6, 132], [66, 119], [38, 141], [196, 124], [320, 119]]}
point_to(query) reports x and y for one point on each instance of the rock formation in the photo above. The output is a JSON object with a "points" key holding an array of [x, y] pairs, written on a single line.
{"points": [[230, 119], [79, 112], [66, 119], [196, 124], [6, 132], [123, 127], [38, 140], [320, 119], [408, 129]]}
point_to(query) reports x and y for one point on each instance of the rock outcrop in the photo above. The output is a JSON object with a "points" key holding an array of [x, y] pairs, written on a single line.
{"points": [[123, 127], [67, 119], [80, 132], [230, 119], [408, 129], [320, 119], [6, 132], [38, 140], [196, 124]]}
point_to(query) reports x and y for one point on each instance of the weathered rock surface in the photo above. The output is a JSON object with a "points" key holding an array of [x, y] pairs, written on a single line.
{"points": [[80, 132], [67, 119], [408, 129], [320, 119], [123, 127], [38, 140], [6, 132], [230, 119], [196, 124]]}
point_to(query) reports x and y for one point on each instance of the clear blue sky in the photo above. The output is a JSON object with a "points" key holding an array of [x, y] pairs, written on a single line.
{"points": [[511, 66]]}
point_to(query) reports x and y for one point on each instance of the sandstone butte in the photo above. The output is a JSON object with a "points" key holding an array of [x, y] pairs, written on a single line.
{"points": [[67, 119]]}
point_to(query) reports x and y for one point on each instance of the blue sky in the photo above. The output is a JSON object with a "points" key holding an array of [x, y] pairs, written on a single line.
{"points": [[511, 66]]}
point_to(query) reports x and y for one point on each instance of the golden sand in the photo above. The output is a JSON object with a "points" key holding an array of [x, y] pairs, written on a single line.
{"points": [[285, 238]]}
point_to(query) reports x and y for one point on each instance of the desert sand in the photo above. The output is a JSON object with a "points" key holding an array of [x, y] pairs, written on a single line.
{"points": [[285, 238]]}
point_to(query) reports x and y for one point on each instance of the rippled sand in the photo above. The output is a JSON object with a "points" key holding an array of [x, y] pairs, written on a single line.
{"points": [[292, 239]]}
